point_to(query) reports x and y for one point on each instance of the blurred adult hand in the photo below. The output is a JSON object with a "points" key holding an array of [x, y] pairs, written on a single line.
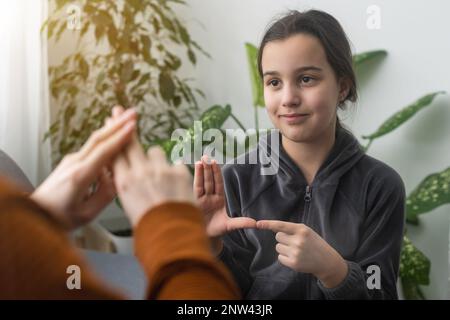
{"points": [[81, 185], [145, 180]]}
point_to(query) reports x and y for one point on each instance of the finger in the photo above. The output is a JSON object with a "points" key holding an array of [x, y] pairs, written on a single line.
{"points": [[106, 183], [277, 226], [181, 168], [283, 238], [185, 178], [134, 153], [121, 169], [240, 223], [157, 156], [207, 176], [286, 261], [283, 249], [109, 169], [106, 131], [100, 199], [108, 178], [199, 189], [106, 150], [120, 165], [117, 111], [218, 180]]}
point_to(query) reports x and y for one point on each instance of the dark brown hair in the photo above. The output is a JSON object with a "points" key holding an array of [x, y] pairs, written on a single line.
{"points": [[329, 32]]}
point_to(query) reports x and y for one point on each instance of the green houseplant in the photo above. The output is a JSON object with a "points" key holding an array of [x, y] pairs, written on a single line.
{"points": [[126, 53]]}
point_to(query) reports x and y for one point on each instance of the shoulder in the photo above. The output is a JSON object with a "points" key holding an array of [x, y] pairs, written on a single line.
{"points": [[371, 182], [380, 185], [377, 173]]}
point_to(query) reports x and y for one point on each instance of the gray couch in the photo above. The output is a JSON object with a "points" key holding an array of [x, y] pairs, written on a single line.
{"points": [[122, 272], [10, 170]]}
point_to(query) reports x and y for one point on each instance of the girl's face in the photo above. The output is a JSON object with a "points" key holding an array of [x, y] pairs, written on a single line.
{"points": [[301, 91]]}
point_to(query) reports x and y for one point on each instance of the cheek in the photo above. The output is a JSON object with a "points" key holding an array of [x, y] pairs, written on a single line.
{"points": [[272, 102], [322, 100]]}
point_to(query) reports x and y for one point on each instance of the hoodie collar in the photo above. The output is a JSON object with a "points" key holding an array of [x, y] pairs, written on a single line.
{"points": [[344, 154]]}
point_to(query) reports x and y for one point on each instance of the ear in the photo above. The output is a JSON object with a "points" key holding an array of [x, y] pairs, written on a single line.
{"points": [[344, 88]]}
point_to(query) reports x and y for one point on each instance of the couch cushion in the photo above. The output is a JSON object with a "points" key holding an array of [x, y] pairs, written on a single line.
{"points": [[10, 170], [122, 272]]}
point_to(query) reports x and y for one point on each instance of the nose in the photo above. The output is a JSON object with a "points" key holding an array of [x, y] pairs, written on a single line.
{"points": [[291, 96]]}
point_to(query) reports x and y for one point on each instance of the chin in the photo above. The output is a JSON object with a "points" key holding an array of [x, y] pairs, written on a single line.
{"points": [[296, 135]]}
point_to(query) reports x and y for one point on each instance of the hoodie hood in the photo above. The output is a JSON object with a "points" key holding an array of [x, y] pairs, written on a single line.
{"points": [[344, 154]]}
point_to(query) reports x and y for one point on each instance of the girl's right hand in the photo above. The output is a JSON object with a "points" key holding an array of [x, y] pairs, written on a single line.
{"points": [[209, 191]]}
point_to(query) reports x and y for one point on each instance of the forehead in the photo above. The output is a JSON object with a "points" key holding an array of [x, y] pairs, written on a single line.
{"points": [[294, 52]]}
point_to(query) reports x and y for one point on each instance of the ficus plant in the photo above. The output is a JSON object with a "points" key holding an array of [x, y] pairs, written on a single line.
{"points": [[128, 53]]}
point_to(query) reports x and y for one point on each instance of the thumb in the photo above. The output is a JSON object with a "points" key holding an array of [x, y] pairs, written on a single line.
{"points": [[106, 192], [240, 223]]}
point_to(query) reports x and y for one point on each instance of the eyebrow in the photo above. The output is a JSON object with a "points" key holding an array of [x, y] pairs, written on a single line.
{"points": [[302, 69]]}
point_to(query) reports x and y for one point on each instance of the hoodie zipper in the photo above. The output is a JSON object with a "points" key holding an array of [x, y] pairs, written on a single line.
{"points": [[308, 196]]}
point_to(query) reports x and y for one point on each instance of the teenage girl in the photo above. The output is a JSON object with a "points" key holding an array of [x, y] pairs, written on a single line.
{"points": [[329, 223]]}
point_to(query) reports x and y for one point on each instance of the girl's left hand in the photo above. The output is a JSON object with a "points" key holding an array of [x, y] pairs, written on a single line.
{"points": [[303, 250]]}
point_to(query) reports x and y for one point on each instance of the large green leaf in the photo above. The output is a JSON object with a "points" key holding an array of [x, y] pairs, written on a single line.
{"points": [[213, 118], [414, 270], [361, 58], [257, 86], [431, 193], [414, 265], [402, 116]]}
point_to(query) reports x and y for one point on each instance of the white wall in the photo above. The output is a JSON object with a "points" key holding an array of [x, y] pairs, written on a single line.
{"points": [[415, 33]]}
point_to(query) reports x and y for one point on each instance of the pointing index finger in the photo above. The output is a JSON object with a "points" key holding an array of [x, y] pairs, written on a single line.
{"points": [[277, 226]]}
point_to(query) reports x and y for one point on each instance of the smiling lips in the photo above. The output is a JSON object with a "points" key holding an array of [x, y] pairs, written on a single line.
{"points": [[294, 117]]}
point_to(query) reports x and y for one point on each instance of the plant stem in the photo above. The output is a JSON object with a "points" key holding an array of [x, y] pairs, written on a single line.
{"points": [[256, 119], [368, 145], [256, 123], [238, 122]]}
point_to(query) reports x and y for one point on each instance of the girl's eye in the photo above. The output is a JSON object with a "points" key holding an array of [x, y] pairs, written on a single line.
{"points": [[306, 79], [274, 82]]}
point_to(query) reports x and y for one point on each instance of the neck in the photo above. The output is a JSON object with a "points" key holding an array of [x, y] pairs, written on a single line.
{"points": [[309, 156]]}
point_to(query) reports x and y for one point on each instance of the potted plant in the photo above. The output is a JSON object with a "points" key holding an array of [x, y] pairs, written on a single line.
{"points": [[128, 53]]}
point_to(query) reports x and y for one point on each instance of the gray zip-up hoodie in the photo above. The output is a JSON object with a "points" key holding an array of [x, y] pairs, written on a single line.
{"points": [[355, 203]]}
